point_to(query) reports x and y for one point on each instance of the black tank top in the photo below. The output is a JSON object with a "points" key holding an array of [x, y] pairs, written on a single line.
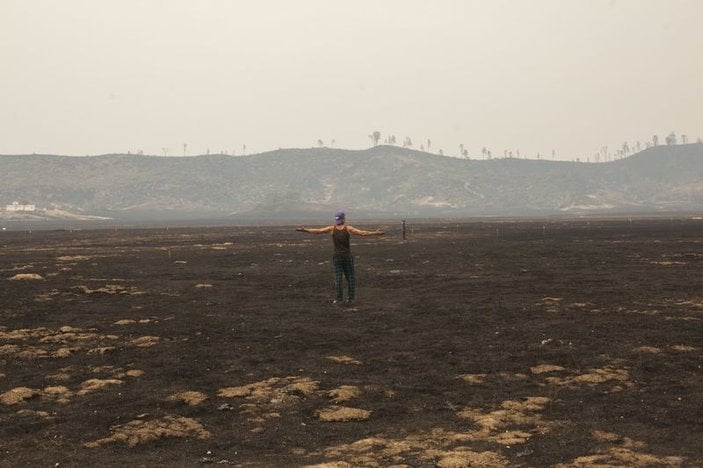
{"points": [[340, 238]]}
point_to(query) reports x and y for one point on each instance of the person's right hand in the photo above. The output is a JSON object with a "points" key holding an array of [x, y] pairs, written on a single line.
{"points": [[300, 229]]}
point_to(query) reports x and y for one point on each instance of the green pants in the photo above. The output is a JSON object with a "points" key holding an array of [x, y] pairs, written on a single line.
{"points": [[344, 266]]}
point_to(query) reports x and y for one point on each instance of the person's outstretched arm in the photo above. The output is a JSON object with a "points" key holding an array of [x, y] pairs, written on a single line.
{"points": [[322, 230], [361, 232]]}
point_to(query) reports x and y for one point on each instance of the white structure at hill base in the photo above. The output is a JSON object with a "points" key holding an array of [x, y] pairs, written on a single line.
{"points": [[17, 206]]}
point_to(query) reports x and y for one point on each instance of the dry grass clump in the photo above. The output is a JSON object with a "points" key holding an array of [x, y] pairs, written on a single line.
{"points": [[32, 353], [437, 447], [464, 458], [335, 464], [71, 258], [603, 436], [342, 414], [93, 385], [125, 322], [62, 375], [189, 398], [344, 360], [265, 398], [145, 341], [647, 349], [59, 393], [551, 299], [619, 456], [344, 393], [593, 377], [274, 389], [18, 395], [107, 289], [39, 414], [138, 431], [473, 379], [26, 277], [495, 426], [101, 350], [62, 353], [544, 368], [683, 348], [304, 385]]}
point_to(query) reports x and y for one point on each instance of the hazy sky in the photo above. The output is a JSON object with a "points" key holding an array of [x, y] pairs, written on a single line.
{"points": [[99, 76]]}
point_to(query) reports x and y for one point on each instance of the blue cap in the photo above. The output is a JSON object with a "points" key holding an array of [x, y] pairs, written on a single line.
{"points": [[339, 217]]}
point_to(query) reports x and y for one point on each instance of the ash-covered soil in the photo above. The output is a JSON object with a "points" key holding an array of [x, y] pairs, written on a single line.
{"points": [[555, 343]]}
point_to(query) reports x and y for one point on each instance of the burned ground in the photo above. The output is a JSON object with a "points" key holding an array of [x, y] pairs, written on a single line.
{"points": [[555, 343]]}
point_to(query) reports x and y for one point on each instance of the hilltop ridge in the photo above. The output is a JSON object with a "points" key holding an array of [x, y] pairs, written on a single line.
{"points": [[377, 181]]}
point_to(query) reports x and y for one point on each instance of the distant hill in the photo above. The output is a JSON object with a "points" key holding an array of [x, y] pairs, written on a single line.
{"points": [[381, 181]]}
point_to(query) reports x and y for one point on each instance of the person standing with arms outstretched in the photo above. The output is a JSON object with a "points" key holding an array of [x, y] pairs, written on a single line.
{"points": [[342, 260]]}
